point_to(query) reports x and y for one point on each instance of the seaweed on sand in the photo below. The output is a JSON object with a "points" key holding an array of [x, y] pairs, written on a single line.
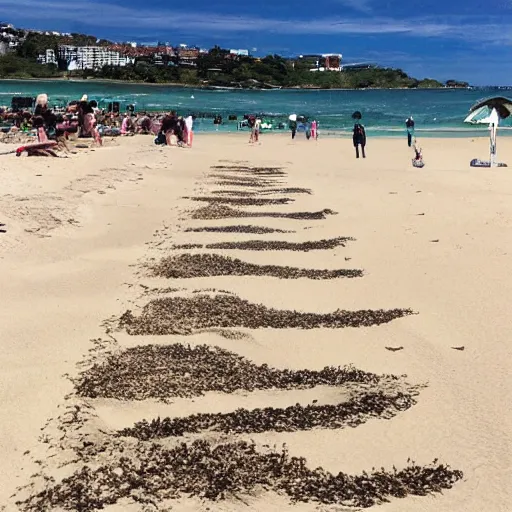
{"points": [[183, 315], [212, 212], [167, 371], [184, 266], [272, 245], [218, 471]]}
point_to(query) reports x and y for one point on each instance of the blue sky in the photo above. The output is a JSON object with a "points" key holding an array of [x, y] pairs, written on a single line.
{"points": [[462, 39]]}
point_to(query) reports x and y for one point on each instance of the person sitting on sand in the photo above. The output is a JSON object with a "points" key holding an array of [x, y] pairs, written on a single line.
{"points": [[44, 120], [181, 131], [144, 124], [167, 128], [87, 121], [418, 157], [127, 126]]}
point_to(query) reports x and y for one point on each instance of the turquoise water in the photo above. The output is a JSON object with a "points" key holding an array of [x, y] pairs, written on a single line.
{"points": [[436, 112]]}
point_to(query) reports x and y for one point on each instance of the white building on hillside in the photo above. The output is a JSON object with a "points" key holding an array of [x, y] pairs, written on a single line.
{"points": [[239, 53], [90, 57], [48, 57]]}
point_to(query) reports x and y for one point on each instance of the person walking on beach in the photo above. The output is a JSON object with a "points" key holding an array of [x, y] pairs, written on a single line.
{"points": [[293, 127], [359, 139], [314, 129], [251, 122], [189, 122], [257, 128], [409, 124]]}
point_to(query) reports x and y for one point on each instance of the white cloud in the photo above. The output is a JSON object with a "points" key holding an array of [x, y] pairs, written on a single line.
{"points": [[101, 16]]}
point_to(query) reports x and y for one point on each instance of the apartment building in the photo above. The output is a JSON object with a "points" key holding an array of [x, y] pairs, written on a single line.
{"points": [[48, 57], [90, 57]]}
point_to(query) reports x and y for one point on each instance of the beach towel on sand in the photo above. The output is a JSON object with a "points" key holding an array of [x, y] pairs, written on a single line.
{"points": [[476, 162]]}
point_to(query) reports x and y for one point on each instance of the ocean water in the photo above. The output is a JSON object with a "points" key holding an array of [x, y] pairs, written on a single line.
{"points": [[438, 113]]}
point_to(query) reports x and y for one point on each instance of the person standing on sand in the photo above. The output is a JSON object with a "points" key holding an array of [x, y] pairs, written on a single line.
{"points": [[257, 127], [409, 124], [359, 139], [251, 122], [314, 129], [189, 123], [293, 128]]}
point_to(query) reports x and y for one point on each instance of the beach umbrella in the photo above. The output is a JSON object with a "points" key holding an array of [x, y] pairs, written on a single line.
{"points": [[502, 105], [490, 111], [357, 115]]}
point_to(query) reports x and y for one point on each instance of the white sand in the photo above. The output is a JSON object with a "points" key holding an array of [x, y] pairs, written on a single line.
{"points": [[75, 233]]}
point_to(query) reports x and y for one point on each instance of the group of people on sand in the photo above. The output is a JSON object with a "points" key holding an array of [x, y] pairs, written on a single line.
{"points": [[359, 139], [175, 130], [84, 119], [48, 125], [310, 127]]}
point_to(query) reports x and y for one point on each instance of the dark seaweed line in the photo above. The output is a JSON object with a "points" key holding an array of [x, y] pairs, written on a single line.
{"points": [[185, 266], [213, 212], [166, 371], [291, 419], [264, 245], [181, 315], [242, 201], [216, 472], [236, 229]]}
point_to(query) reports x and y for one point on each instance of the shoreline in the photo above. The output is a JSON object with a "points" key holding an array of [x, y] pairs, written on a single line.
{"points": [[208, 87]]}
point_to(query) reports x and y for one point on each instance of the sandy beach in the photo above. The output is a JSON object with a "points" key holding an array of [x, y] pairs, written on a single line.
{"points": [[91, 237]]}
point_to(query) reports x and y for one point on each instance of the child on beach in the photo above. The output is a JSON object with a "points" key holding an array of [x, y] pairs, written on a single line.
{"points": [[418, 157]]}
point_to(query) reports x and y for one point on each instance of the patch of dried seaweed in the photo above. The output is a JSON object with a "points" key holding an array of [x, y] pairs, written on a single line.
{"points": [[186, 266], [167, 371], [219, 211], [270, 191], [219, 471], [247, 183], [270, 245], [236, 229], [288, 190], [182, 315], [351, 413], [270, 180], [243, 201], [234, 193], [261, 171]]}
